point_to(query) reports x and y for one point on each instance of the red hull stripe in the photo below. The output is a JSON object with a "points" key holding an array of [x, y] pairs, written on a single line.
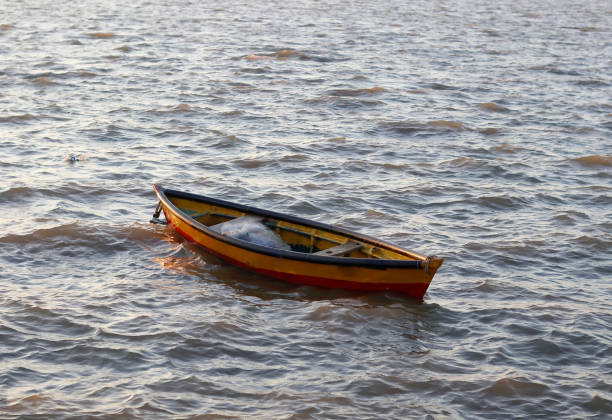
{"points": [[416, 290]]}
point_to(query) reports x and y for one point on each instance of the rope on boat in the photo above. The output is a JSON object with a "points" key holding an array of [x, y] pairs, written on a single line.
{"points": [[427, 264], [430, 259], [156, 220]]}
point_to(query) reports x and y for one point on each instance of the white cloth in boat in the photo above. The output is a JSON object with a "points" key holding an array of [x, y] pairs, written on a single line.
{"points": [[251, 229]]}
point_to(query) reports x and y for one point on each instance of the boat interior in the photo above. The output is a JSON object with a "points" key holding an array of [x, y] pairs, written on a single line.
{"points": [[300, 237]]}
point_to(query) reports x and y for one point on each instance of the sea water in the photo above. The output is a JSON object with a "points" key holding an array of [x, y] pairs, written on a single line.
{"points": [[475, 130]]}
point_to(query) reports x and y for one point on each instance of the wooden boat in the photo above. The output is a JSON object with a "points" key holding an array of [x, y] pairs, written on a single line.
{"points": [[317, 254]]}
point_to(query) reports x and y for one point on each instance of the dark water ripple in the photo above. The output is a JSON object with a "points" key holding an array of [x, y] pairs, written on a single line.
{"points": [[476, 131]]}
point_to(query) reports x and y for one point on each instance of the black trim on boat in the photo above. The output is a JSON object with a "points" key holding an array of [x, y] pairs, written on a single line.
{"points": [[164, 194]]}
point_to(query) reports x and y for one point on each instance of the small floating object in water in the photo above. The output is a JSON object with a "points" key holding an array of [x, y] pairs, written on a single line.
{"points": [[294, 249], [75, 157]]}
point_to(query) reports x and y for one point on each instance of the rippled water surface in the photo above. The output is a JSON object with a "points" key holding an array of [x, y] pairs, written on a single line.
{"points": [[479, 131]]}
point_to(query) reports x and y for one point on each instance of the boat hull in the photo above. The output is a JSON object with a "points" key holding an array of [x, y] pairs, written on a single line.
{"points": [[407, 277]]}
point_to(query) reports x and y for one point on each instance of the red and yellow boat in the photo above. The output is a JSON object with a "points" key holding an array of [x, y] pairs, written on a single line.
{"points": [[311, 253]]}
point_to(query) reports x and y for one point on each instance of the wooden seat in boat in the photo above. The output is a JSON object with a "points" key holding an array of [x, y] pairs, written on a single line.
{"points": [[340, 250]]}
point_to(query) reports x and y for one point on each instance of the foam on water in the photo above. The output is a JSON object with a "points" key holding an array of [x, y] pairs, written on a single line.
{"points": [[479, 132]]}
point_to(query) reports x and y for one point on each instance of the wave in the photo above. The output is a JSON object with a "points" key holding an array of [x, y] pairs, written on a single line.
{"points": [[493, 202], [227, 141], [194, 349], [583, 28], [468, 162], [289, 53], [102, 35], [344, 102], [82, 73], [38, 322], [16, 194], [181, 259], [70, 231], [282, 54], [492, 106], [18, 118], [253, 163], [295, 158], [554, 69], [403, 127], [599, 404], [181, 108], [81, 239], [490, 131], [506, 148], [492, 33], [255, 70], [38, 402], [42, 80], [593, 242], [103, 356], [441, 86], [592, 83], [594, 160], [356, 92], [503, 202], [72, 190], [49, 78], [452, 125], [241, 86], [157, 337], [516, 387]]}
